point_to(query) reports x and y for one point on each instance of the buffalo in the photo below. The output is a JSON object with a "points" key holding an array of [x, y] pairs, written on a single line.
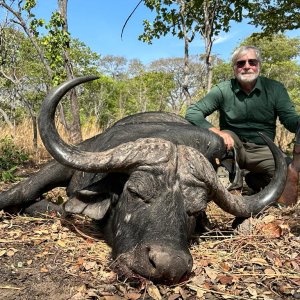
{"points": [[147, 180]]}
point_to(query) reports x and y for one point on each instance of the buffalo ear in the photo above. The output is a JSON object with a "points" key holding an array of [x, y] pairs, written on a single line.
{"points": [[95, 210], [95, 199]]}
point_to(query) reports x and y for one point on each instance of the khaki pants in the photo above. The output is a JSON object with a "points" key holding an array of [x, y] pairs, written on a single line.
{"points": [[257, 159]]}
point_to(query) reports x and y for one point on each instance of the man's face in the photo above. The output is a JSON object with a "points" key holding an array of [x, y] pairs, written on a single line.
{"points": [[247, 67]]}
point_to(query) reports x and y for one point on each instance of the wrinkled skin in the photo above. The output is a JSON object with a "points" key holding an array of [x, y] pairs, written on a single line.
{"points": [[146, 179]]}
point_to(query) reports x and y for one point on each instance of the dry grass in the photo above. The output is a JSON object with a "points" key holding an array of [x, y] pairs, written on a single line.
{"points": [[22, 136]]}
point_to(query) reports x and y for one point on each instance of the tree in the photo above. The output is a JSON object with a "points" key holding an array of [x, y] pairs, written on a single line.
{"points": [[22, 77], [175, 67], [149, 91], [114, 66], [186, 18], [275, 16], [52, 51]]}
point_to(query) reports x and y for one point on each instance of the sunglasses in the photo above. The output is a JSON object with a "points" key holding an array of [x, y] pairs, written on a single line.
{"points": [[242, 63]]}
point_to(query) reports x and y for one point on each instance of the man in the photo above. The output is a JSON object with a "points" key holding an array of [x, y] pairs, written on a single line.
{"points": [[247, 104]]}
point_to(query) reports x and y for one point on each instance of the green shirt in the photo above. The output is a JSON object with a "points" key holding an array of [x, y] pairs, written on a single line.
{"points": [[245, 114]]}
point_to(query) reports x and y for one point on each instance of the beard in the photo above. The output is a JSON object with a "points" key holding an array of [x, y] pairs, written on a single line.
{"points": [[247, 77]]}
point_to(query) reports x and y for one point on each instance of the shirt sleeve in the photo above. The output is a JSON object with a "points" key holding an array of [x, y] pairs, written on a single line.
{"points": [[197, 112], [286, 111]]}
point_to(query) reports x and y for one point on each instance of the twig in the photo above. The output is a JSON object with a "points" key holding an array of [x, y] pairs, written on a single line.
{"points": [[80, 232], [8, 287]]}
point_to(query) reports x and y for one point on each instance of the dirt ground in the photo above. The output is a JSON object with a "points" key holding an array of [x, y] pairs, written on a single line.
{"points": [[49, 257]]}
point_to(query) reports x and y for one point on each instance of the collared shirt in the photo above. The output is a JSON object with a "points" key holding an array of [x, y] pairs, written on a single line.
{"points": [[247, 114]]}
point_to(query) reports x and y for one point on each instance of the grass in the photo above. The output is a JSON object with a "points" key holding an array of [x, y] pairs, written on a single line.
{"points": [[22, 136]]}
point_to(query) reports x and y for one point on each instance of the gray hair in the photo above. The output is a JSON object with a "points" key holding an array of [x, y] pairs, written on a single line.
{"points": [[242, 51]]}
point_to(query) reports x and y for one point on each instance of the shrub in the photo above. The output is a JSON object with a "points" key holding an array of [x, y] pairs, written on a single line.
{"points": [[10, 158]]}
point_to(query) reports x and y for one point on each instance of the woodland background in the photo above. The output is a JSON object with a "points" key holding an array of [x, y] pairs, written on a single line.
{"points": [[51, 258], [36, 56]]}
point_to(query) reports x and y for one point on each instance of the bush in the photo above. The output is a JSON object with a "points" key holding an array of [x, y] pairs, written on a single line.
{"points": [[10, 158]]}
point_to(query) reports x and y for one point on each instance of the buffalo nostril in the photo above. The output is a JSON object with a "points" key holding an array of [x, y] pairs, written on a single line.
{"points": [[168, 263], [152, 262]]}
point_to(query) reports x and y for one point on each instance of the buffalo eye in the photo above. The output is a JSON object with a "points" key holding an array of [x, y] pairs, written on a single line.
{"points": [[137, 193]]}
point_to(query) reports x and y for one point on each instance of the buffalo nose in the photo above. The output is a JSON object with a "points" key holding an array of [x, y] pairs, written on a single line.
{"points": [[169, 264]]}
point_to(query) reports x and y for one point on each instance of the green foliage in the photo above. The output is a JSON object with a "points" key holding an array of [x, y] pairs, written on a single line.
{"points": [[34, 22], [275, 48], [149, 92], [55, 43], [222, 71], [171, 14], [275, 16], [10, 158]]}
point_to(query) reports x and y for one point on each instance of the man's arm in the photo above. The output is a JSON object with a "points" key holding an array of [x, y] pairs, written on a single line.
{"points": [[197, 113], [286, 111]]}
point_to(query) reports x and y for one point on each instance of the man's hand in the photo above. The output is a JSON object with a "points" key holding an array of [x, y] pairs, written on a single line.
{"points": [[228, 140]]}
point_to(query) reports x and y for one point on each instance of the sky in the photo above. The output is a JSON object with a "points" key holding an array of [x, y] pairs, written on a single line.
{"points": [[99, 23]]}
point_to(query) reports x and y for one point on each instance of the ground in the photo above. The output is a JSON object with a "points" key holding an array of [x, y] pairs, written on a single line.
{"points": [[49, 257]]}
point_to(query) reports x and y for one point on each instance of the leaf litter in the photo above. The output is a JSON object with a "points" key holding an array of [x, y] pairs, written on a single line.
{"points": [[49, 257]]}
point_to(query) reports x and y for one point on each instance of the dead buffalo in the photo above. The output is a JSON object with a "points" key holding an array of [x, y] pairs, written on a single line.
{"points": [[146, 179]]}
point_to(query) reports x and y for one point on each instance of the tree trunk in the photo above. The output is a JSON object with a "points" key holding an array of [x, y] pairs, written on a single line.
{"points": [[186, 69], [209, 71], [35, 132], [6, 118], [75, 128], [210, 9]]}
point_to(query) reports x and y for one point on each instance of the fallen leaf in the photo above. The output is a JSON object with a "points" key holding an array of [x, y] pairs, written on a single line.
{"points": [[114, 297], [198, 280], [225, 266], [277, 262], [29, 262], [11, 252], [133, 296], [61, 243], [259, 261], [271, 230], [212, 274], [80, 261], [183, 293], [285, 289], [203, 262], [41, 232], [269, 272], [174, 296], [268, 219], [225, 279], [44, 270], [200, 293], [89, 265], [252, 291], [153, 292]]}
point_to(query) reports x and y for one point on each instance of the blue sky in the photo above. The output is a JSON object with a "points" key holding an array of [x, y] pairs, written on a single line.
{"points": [[98, 24]]}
